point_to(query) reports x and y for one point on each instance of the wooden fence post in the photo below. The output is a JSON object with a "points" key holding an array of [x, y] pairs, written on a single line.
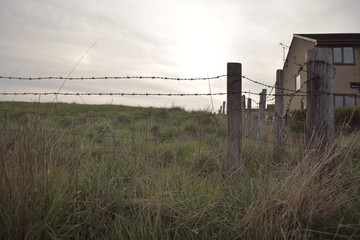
{"points": [[261, 118], [249, 110], [244, 124], [279, 122], [249, 121], [234, 121], [223, 109], [243, 113], [319, 101]]}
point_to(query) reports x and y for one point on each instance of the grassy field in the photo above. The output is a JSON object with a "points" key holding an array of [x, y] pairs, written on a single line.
{"points": [[73, 171]]}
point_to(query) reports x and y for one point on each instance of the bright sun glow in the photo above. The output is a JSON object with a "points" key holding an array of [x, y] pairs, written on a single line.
{"points": [[200, 46]]}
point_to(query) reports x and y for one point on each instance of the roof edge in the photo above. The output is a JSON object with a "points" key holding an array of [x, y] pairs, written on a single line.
{"points": [[305, 38]]}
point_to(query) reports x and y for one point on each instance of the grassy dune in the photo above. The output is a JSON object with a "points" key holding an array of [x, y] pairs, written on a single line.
{"points": [[73, 171]]}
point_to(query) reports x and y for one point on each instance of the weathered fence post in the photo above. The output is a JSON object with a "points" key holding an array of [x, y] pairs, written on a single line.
{"points": [[234, 121], [279, 113], [261, 118], [244, 124], [319, 101], [223, 109], [249, 118], [243, 99], [249, 110]]}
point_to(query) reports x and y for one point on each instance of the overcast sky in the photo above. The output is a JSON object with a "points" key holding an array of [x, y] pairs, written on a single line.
{"points": [[174, 38]]}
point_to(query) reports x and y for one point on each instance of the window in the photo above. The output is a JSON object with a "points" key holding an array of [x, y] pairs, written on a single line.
{"points": [[348, 55], [343, 55], [339, 101], [337, 55], [344, 100], [349, 100], [297, 83]]}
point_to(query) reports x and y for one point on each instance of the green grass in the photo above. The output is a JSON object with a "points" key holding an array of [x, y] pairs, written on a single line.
{"points": [[114, 172]]}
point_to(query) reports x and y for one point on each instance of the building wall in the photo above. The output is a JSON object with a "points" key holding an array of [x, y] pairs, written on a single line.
{"points": [[348, 73], [343, 76], [296, 56]]}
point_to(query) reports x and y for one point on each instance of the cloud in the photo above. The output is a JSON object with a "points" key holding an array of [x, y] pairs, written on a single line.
{"points": [[188, 38]]}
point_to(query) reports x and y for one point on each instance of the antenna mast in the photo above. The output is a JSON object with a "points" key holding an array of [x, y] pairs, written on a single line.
{"points": [[284, 48]]}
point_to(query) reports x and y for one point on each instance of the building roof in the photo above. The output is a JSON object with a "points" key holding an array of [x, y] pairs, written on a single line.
{"points": [[331, 38]]}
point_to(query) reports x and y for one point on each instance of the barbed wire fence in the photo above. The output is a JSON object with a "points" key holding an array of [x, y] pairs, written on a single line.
{"points": [[151, 133]]}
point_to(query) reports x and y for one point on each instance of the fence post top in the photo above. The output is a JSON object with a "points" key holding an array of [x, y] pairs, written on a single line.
{"points": [[319, 54]]}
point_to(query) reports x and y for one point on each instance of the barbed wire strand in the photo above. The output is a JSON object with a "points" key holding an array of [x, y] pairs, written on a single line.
{"points": [[110, 78], [151, 94]]}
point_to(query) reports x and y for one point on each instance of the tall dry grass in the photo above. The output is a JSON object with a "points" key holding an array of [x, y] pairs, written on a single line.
{"points": [[314, 195], [55, 185]]}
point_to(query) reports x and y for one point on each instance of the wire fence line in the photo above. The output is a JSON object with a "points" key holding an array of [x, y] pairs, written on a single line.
{"points": [[153, 94], [301, 68], [269, 97], [109, 78], [148, 135]]}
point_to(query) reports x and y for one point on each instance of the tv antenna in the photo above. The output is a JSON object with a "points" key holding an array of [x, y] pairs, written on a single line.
{"points": [[284, 49]]}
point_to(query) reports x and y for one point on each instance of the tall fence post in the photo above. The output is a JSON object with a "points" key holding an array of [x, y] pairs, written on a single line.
{"points": [[234, 121], [261, 118], [279, 122], [244, 124], [249, 110], [243, 99], [249, 122], [319, 102]]}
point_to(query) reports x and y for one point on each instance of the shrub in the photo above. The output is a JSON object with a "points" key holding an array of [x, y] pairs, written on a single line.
{"points": [[349, 116], [297, 121], [343, 116]]}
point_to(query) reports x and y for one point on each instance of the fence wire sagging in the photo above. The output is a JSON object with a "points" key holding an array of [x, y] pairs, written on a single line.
{"points": [[154, 128]]}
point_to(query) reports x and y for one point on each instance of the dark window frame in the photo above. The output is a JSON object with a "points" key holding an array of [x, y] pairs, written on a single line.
{"points": [[343, 98], [342, 55]]}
